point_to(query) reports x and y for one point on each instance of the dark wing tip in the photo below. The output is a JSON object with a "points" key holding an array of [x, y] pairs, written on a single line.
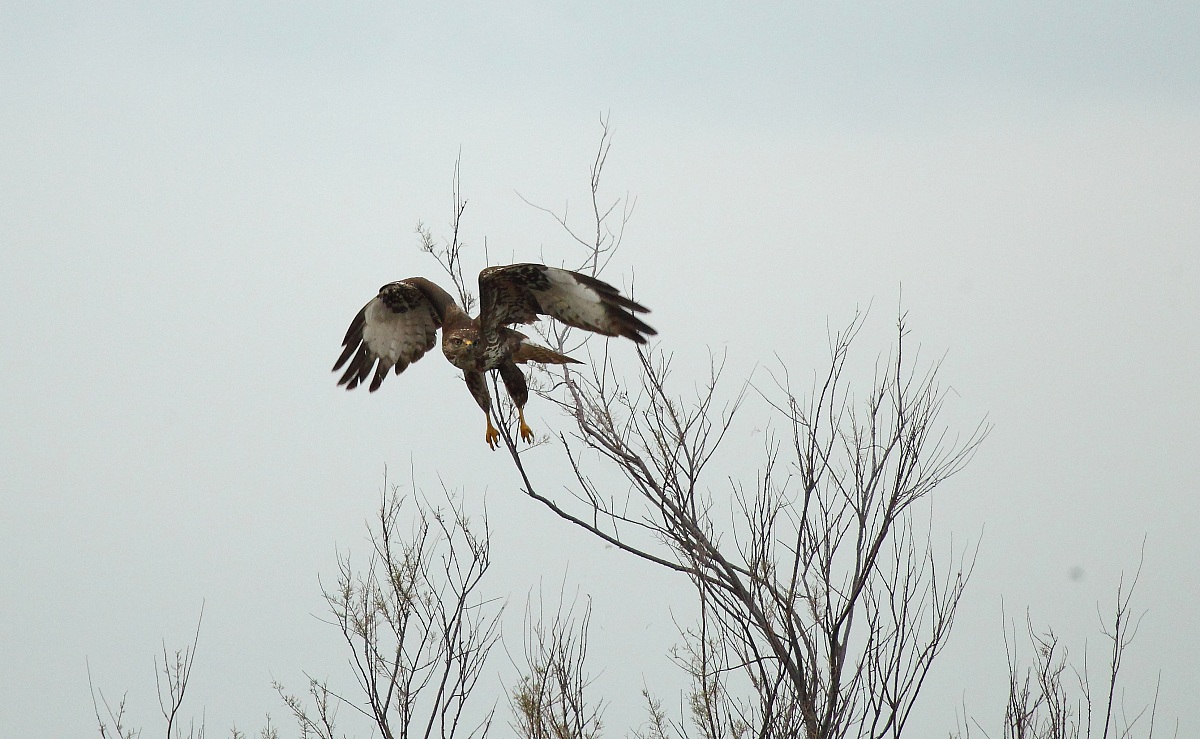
{"points": [[620, 309], [355, 330], [349, 351], [628, 303], [358, 369], [353, 340], [620, 312], [381, 373]]}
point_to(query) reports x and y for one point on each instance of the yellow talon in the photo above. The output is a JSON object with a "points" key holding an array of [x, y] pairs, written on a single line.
{"points": [[526, 432], [492, 436]]}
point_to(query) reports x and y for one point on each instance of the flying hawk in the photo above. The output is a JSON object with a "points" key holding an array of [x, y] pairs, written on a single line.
{"points": [[400, 324]]}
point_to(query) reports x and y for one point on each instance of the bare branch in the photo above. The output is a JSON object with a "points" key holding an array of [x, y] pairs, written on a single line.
{"points": [[550, 699], [449, 253], [417, 630]]}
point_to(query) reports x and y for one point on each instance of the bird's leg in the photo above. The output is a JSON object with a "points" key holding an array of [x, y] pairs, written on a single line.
{"points": [[492, 436], [526, 432]]}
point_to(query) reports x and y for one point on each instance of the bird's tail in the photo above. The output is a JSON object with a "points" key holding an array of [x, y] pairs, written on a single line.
{"points": [[527, 352]]}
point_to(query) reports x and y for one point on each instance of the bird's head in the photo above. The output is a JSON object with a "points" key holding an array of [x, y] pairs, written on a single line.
{"points": [[457, 343]]}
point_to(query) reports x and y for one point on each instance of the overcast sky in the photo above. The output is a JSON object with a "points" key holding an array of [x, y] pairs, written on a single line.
{"points": [[195, 200]]}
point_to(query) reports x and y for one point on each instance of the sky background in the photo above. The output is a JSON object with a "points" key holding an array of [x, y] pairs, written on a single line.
{"points": [[196, 198]]}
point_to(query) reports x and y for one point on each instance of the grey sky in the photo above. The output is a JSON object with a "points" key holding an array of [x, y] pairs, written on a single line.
{"points": [[195, 200]]}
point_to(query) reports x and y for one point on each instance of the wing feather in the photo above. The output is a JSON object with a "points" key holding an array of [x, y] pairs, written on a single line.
{"points": [[391, 331], [519, 293]]}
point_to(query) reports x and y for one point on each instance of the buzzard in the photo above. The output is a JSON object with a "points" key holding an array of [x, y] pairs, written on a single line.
{"points": [[400, 324]]}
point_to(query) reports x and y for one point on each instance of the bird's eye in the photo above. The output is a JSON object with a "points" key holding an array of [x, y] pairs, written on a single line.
{"points": [[456, 341]]}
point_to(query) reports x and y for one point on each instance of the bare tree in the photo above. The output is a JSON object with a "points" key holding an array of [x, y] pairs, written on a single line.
{"points": [[817, 589], [418, 632], [549, 700], [449, 253], [1052, 697], [417, 628], [112, 722], [822, 599], [171, 678], [822, 595]]}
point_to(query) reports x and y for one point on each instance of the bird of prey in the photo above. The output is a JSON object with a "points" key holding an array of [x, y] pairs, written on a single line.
{"points": [[400, 324]]}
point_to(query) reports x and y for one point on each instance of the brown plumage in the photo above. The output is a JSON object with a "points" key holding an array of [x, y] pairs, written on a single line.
{"points": [[399, 325]]}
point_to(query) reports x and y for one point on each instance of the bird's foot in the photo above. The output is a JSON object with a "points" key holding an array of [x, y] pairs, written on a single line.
{"points": [[492, 436], [526, 432]]}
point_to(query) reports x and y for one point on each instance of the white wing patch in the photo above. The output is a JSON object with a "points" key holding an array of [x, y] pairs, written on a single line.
{"points": [[382, 338], [397, 337], [574, 303]]}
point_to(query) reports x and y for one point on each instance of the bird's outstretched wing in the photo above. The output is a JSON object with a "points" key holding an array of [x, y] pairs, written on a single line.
{"points": [[394, 329], [519, 293]]}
